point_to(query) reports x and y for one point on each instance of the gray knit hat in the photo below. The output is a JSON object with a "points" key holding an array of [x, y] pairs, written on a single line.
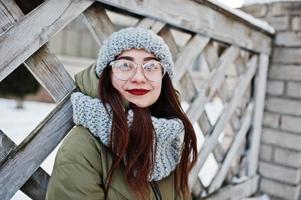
{"points": [[134, 38]]}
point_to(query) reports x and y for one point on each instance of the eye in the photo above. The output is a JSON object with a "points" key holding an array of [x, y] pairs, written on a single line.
{"points": [[151, 66], [124, 65]]}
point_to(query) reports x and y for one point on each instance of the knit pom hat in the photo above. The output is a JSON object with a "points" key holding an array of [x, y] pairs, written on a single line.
{"points": [[134, 38]]}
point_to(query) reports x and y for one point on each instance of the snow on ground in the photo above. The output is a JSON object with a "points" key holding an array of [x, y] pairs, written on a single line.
{"points": [[18, 123]]}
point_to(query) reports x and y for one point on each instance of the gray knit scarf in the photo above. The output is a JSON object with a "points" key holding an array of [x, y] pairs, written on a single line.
{"points": [[90, 113]]}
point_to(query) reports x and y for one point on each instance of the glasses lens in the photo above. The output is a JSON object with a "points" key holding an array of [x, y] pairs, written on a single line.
{"points": [[153, 71], [123, 70]]}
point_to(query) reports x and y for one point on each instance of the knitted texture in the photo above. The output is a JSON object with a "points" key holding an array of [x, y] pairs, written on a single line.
{"points": [[134, 38], [169, 133]]}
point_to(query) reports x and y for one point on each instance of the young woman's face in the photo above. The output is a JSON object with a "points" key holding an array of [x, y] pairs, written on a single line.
{"points": [[137, 89]]}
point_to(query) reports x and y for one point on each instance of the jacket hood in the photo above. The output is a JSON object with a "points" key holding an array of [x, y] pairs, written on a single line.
{"points": [[87, 81]]}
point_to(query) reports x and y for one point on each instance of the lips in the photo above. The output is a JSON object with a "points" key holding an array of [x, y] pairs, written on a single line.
{"points": [[138, 91]]}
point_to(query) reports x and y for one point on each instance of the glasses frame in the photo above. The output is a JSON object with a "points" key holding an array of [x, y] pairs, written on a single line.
{"points": [[136, 67]]}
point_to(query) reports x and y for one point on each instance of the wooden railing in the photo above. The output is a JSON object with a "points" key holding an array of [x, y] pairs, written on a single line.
{"points": [[225, 58]]}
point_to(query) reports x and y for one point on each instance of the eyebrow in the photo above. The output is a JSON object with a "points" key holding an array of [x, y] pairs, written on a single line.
{"points": [[132, 59]]}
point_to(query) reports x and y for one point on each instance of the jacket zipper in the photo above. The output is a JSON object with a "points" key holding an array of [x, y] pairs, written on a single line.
{"points": [[156, 190]]}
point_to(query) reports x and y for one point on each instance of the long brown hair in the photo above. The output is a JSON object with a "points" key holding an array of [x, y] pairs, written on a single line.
{"points": [[137, 149]]}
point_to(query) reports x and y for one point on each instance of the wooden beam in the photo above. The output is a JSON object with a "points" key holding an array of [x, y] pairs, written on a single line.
{"points": [[204, 123], [186, 87], [25, 159], [34, 30], [188, 54], [6, 18], [166, 34], [154, 25], [211, 54], [220, 176], [36, 186], [212, 140], [50, 73], [43, 64], [7, 145], [239, 15], [260, 90], [197, 188], [209, 87], [98, 22], [235, 192], [200, 18]]}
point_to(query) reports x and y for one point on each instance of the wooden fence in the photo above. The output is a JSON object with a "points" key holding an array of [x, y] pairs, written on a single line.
{"points": [[224, 57]]}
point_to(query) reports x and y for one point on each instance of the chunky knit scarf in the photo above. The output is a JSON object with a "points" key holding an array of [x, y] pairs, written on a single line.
{"points": [[90, 113]]}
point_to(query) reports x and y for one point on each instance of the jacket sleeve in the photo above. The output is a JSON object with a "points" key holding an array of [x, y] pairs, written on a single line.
{"points": [[77, 171]]}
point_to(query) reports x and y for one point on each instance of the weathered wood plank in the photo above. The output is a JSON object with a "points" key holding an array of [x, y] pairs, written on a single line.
{"points": [[166, 34], [212, 140], [187, 87], [235, 192], [193, 16], [220, 176], [239, 15], [43, 64], [152, 24], [211, 55], [146, 22], [157, 26], [260, 90], [36, 186], [210, 86], [37, 27], [98, 23], [7, 145], [6, 19], [204, 123], [197, 188], [188, 54], [27, 157], [50, 73]]}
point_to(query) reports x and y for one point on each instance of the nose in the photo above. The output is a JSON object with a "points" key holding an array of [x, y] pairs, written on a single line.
{"points": [[139, 76]]}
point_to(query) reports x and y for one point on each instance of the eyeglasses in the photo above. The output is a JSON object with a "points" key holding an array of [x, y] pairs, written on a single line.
{"points": [[125, 70]]}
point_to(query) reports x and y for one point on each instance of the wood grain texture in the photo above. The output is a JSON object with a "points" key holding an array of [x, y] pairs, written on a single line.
{"points": [[36, 186], [220, 176], [24, 160], [50, 73], [229, 109], [260, 91], [188, 54], [35, 29], [211, 85], [199, 18], [235, 192], [239, 15], [98, 22], [43, 64]]}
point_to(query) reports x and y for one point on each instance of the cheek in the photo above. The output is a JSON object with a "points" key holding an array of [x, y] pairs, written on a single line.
{"points": [[157, 92], [117, 84]]}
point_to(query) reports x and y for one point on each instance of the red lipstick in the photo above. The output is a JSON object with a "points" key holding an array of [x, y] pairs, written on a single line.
{"points": [[138, 91]]}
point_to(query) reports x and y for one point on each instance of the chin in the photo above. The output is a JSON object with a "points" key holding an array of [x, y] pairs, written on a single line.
{"points": [[141, 104]]}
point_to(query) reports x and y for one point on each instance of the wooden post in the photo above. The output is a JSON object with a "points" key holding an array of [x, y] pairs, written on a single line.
{"points": [[260, 88]]}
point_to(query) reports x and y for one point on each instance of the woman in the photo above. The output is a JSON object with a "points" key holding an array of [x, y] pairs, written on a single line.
{"points": [[132, 139]]}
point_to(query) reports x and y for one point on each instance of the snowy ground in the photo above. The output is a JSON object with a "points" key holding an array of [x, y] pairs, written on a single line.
{"points": [[17, 124]]}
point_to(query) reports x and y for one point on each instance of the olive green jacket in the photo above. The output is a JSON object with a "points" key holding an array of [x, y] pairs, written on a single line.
{"points": [[82, 163]]}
